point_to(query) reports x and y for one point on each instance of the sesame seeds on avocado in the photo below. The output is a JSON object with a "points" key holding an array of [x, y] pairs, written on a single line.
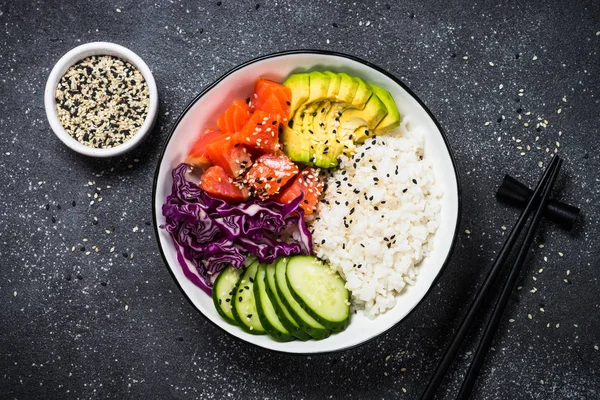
{"points": [[331, 113]]}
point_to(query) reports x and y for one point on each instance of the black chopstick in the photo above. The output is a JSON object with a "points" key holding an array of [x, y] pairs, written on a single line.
{"points": [[464, 326], [492, 325]]}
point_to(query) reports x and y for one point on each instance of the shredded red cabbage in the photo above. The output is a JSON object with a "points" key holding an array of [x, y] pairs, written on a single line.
{"points": [[211, 233]]}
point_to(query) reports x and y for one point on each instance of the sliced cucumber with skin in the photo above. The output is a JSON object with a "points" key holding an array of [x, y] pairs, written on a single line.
{"points": [[244, 305], [266, 312], [282, 312], [306, 322], [320, 291], [223, 291]]}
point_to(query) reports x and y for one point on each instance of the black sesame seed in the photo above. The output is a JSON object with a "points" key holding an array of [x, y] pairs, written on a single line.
{"points": [[73, 203], [47, 207], [125, 255], [103, 283], [414, 181], [53, 220]]}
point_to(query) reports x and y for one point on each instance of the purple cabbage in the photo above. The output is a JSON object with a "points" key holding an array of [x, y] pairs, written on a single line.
{"points": [[211, 234]]}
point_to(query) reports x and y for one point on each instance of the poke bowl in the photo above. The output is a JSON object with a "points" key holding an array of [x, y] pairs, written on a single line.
{"points": [[381, 217]]}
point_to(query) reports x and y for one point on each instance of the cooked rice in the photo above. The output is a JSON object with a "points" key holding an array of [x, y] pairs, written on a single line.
{"points": [[378, 222]]}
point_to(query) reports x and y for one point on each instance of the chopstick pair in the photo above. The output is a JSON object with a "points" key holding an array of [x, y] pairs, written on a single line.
{"points": [[538, 202]]}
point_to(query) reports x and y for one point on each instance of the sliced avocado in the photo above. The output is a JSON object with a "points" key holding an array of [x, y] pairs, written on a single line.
{"points": [[300, 86], [326, 153], [361, 134], [295, 145], [320, 121], [348, 88], [351, 119], [363, 93], [310, 112], [334, 85], [392, 118], [319, 86]]}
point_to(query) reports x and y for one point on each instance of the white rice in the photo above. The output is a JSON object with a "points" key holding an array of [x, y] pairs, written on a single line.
{"points": [[388, 242]]}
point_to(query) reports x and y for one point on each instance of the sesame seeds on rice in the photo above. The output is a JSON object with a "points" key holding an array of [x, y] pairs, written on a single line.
{"points": [[376, 222]]}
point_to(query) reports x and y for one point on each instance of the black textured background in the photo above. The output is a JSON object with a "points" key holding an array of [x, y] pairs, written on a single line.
{"points": [[114, 325]]}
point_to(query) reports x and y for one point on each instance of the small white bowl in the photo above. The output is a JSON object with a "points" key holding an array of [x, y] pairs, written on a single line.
{"points": [[99, 49], [237, 84]]}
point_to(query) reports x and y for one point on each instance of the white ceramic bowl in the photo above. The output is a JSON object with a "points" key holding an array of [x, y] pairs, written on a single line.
{"points": [[239, 83], [96, 49]]}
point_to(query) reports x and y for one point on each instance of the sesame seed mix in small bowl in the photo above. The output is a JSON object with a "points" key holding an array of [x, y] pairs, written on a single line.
{"points": [[101, 99]]}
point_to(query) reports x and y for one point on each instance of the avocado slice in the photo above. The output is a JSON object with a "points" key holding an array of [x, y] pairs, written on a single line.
{"points": [[320, 120], [363, 93], [310, 112], [347, 90], [392, 118], [351, 119], [300, 86], [319, 86], [295, 145], [334, 85]]}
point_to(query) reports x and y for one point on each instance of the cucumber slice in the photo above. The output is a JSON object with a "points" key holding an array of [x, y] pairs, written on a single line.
{"points": [[266, 312], [306, 322], [282, 312], [244, 305], [320, 291], [223, 291]]}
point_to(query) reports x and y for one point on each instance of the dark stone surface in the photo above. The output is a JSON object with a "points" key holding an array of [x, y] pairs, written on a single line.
{"points": [[106, 325]]}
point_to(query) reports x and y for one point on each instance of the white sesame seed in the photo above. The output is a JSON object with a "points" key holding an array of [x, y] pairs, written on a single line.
{"points": [[560, 254], [491, 64], [511, 320], [541, 246], [503, 227], [529, 316], [534, 58], [468, 232]]}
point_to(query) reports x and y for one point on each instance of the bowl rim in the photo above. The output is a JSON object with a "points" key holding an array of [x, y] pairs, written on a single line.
{"points": [[71, 58], [327, 53]]}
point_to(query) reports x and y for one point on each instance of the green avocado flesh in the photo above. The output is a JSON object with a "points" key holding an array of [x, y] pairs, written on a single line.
{"points": [[331, 113]]}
